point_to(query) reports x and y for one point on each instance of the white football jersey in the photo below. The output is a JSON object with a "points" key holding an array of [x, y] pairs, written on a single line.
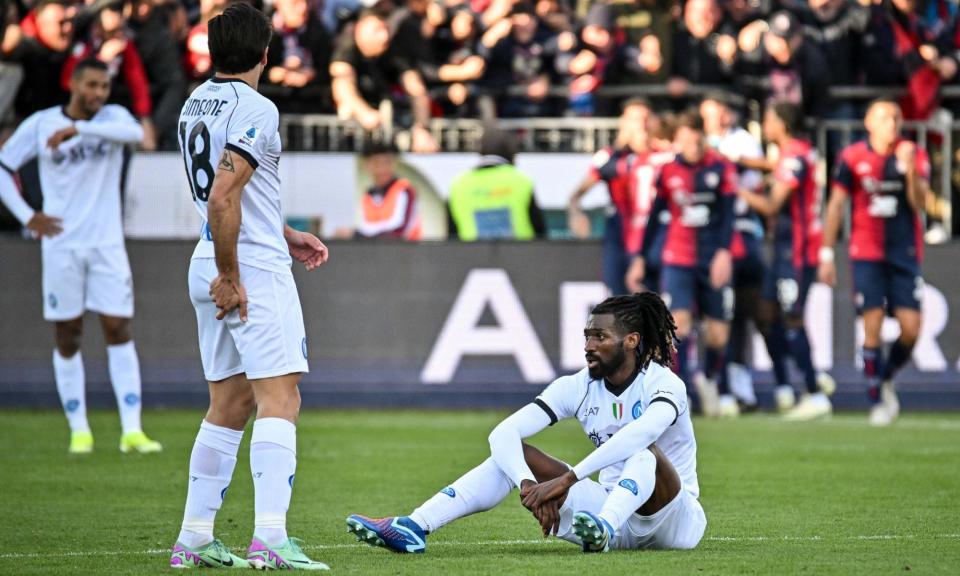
{"points": [[602, 414], [227, 113], [80, 180]]}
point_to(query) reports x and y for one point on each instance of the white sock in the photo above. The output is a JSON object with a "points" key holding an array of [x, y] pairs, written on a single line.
{"points": [[71, 383], [212, 462], [635, 487], [479, 489], [273, 462], [125, 377]]}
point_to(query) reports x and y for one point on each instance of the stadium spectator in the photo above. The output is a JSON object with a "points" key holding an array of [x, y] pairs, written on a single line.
{"points": [[388, 209], [520, 53], [335, 13], [738, 14], [701, 55], [108, 41], [41, 49], [836, 27], [783, 67], [158, 49], [638, 19], [494, 201], [600, 58], [364, 67], [197, 58], [455, 62], [555, 15], [298, 63], [904, 53], [11, 73]]}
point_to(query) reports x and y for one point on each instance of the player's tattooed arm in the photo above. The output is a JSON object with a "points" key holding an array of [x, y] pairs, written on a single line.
{"points": [[226, 162]]}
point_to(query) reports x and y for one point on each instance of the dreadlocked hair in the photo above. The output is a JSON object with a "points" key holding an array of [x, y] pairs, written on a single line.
{"points": [[646, 314]]}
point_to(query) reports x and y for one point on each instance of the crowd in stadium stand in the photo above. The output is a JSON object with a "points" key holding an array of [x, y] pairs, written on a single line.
{"points": [[487, 58]]}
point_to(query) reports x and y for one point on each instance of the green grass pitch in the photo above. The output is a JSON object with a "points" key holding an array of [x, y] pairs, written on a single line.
{"points": [[832, 497]]}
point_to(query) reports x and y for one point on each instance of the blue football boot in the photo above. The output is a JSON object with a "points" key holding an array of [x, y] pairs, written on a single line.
{"points": [[595, 532], [397, 533]]}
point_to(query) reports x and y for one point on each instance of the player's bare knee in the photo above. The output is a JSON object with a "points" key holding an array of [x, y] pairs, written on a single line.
{"points": [[909, 332], [280, 402], [68, 337], [231, 411], [115, 330]]}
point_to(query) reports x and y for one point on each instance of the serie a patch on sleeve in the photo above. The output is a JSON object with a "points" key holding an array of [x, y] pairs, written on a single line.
{"points": [[249, 137]]}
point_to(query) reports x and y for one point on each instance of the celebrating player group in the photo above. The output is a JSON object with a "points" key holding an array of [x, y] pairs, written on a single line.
{"points": [[683, 246], [699, 219]]}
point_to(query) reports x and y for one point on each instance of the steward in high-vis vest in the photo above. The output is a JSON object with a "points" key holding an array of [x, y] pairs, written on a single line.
{"points": [[389, 207], [494, 201]]}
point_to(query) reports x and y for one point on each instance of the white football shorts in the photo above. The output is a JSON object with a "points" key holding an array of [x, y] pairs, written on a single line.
{"points": [[97, 279], [678, 525], [272, 342]]}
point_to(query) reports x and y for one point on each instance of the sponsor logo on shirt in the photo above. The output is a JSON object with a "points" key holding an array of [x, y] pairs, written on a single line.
{"points": [[592, 411]]}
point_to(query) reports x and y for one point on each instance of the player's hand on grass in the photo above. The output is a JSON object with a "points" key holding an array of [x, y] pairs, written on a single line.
{"points": [[307, 248], [43, 225], [228, 293], [60, 136], [721, 269], [635, 275], [555, 489]]}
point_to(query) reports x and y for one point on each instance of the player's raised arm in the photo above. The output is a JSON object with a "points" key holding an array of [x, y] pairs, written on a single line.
{"points": [[223, 212], [121, 127], [916, 166]]}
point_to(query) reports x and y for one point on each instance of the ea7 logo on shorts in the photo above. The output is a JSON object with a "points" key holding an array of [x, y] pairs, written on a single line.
{"points": [[629, 485]]}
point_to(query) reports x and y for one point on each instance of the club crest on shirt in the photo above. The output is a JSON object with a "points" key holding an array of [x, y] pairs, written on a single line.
{"points": [[711, 179], [636, 411]]}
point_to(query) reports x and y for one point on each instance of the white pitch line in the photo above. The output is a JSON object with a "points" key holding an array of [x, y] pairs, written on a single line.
{"points": [[536, 542], [855, 422]]}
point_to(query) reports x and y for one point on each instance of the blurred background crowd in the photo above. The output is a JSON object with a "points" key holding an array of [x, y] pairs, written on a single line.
{"points": [[491, 58]]}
